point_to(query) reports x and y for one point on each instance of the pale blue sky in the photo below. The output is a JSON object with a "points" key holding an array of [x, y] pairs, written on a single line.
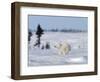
{"points": [[57, 22]]}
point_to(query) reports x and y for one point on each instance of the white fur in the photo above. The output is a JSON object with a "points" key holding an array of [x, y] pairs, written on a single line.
{"points": [[63, 48]]}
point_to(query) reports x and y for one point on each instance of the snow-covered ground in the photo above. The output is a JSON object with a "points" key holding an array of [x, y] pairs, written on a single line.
{"points": [[43, 57]]}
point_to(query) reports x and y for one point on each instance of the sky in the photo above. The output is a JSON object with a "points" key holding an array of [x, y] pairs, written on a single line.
{"points": [[57, 22]]}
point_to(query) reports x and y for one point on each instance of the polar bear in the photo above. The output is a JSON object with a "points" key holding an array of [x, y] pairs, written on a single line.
{"points": [[63, 48]]}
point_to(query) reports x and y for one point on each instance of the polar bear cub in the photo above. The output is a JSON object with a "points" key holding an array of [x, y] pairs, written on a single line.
{"points": [[63, 48]]}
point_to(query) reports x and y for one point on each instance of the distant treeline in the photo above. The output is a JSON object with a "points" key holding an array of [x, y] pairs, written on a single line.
{"points": [[63, 30]]}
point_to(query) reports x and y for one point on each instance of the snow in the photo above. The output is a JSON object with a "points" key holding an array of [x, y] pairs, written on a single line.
{"points": [[44, 57]]}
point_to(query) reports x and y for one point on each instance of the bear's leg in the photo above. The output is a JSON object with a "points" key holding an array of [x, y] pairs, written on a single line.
{"points": [[60, 52], [63, 52]]}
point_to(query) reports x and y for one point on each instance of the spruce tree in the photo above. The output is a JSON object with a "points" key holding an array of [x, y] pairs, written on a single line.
{"points": [[39, 33]]}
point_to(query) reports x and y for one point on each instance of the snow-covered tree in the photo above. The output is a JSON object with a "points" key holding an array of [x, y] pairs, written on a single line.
{"points": [[29, 35], [39, 33], [47, 45]]}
